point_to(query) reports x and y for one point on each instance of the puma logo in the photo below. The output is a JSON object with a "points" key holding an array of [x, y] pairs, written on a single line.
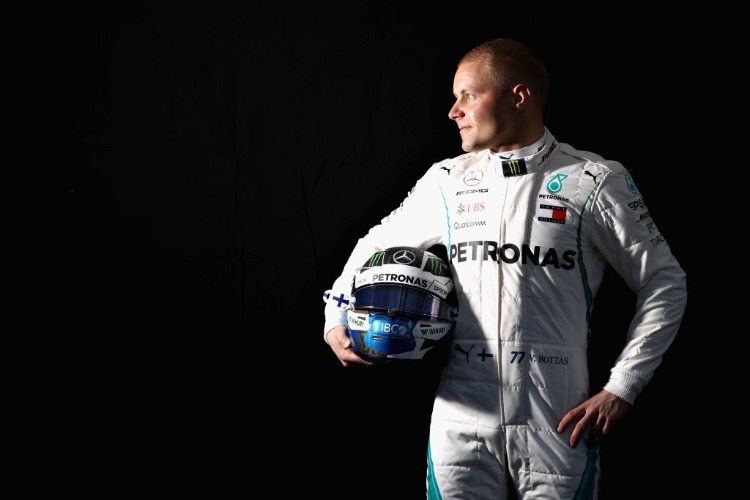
{"points": [[592, 175], [465, 353]]}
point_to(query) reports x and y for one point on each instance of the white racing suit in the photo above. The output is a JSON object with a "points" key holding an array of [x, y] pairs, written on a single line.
{"points": [[529, 239]]}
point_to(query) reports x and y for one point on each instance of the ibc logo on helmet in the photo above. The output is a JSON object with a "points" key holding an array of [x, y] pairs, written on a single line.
{"points": [[385, 327]]}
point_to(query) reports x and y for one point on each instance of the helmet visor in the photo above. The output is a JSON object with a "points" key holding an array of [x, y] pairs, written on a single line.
{"points": [[403, 299]]}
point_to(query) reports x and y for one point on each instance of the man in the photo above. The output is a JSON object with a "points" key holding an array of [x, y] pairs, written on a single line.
{"points": [[530, 226]]}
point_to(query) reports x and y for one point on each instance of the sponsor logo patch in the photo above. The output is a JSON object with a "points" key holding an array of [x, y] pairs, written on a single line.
{"points": [[552, 213]]}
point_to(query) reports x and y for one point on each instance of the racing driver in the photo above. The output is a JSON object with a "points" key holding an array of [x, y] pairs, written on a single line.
{"points": [[530, 225]]}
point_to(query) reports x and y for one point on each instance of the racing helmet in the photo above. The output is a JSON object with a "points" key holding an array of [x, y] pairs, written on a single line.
{"points": [[404, 305]]}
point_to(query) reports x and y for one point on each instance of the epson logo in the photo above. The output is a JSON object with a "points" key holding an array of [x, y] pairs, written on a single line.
{"points": [[635, 205], [510, 254]]}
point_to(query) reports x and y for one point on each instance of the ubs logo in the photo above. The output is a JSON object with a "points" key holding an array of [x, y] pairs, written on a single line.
{"points": [[473, 178], [476, 206]]}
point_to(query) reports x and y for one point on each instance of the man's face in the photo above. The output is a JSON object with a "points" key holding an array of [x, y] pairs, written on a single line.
{"points": [[484, 118]]}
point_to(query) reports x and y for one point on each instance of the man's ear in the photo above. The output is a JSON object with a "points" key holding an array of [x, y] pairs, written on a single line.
{"points": [[521, 95]]}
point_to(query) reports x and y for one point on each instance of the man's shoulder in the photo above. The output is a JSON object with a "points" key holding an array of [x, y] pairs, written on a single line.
{"points": [[588, 159], [460, 160]]}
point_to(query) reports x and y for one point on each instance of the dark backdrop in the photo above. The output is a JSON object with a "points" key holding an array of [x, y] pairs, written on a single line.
{"points": [[226, 159]]}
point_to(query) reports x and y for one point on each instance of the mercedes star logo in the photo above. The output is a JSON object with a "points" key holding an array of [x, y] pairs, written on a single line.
{"points": [[473, 178], [404, 257]]}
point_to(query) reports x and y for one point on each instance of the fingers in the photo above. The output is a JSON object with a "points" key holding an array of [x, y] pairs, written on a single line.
{"points": [[598, 423], [578, 431], [342, 347], [585, 418], [598, 414], [596, 427], [570, 417]]}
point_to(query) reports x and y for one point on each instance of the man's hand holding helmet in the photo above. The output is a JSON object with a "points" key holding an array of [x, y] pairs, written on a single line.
{"points": [[402, 306]]}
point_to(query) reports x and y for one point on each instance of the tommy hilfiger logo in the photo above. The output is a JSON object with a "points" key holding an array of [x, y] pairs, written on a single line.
{"points": [[514, 167], [552, 213]]}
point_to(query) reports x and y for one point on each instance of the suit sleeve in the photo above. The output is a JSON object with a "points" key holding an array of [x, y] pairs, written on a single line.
{"points": [[628, 237], [419, 221]]}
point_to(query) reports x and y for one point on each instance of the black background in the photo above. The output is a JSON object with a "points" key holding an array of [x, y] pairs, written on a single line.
{"points": [[226, 159]]}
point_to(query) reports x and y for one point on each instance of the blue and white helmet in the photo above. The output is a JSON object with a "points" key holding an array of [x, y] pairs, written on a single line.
{"points": [[404, 305]]}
